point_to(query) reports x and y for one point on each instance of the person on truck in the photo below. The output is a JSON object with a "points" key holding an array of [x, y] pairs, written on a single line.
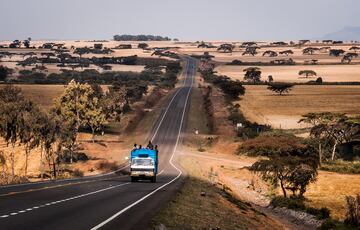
{"points": [[135, 146], [150, 145]]}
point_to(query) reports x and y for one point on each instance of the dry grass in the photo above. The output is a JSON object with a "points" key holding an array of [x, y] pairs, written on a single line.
{"points": [[330, 190], [329, 73], [263, 106]]}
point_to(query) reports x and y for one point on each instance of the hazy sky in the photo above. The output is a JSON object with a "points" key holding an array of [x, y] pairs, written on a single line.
{"points": [[183, 19]]}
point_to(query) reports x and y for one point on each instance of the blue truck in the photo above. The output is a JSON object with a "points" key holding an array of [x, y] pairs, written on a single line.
{"points": [[143, 164]]}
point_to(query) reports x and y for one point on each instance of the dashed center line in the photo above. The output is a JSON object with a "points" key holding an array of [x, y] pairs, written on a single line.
{"points": [[60, 201]]}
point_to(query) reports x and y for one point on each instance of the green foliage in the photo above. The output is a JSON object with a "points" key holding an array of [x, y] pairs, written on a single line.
{"points": [[280, 87], [252, 74], [307, 73], [290, 163], [5, 72]]}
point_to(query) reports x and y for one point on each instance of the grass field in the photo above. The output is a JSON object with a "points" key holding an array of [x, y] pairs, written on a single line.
{"points": [[263, 106], [329, 73]]}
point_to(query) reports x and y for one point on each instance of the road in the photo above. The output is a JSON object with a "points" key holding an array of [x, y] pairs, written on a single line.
{"points": [[107, 201]]}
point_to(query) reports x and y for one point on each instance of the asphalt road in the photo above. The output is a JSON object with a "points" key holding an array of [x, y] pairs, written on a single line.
{"points": [[107, 201]]}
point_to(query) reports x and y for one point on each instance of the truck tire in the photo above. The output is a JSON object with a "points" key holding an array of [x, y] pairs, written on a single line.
{"points": [[134, 179], [153, 179]]}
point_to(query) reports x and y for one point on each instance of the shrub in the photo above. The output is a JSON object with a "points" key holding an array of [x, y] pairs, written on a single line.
{"points": [[268, 144]]}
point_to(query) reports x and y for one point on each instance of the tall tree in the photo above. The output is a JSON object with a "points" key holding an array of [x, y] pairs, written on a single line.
{"points": [[13, 106], [73, 105]]}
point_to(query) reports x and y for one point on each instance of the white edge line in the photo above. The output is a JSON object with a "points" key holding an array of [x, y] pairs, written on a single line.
{"points": [[170, 161]]}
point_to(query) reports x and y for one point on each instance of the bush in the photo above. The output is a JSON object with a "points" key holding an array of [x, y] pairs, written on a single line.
{"points": [[271, 143]]}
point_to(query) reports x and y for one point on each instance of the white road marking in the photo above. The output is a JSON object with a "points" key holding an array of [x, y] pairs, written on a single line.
{"points": [[59, 201], [159, 188]]}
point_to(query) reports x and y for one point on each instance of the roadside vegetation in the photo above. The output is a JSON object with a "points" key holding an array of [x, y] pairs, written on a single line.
{"points": [[83, 107]]}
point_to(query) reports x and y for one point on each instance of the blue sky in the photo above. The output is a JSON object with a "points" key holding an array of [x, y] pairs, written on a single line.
{"points": [[186, 19]]}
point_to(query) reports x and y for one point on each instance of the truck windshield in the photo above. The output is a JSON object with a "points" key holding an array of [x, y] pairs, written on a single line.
{"points": [[142, 161]]}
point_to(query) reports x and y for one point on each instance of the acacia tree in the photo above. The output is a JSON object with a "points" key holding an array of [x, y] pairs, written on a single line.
{"points": [[355, 48], [310, 50], [292, 170], [270, 53], [252, 74], [286, 52], [280, 87], [335, 127], [336, 52], [251, 50], [307, 73]]}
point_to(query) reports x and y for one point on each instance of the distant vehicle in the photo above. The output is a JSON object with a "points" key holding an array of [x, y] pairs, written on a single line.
{"points": [[143, 164]]}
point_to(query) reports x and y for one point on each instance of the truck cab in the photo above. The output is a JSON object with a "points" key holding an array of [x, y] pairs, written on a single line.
{"points": [[143, 165]]}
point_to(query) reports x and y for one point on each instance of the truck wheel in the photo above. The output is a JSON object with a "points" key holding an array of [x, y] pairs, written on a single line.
{"points": [[153, 179], [134, 179]]}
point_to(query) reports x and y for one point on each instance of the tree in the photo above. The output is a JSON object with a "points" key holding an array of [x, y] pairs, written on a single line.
{"points": [[270, 53], [336, 127], [270, 78], [5, 72], [319, 80], [280, 87], [13, 106], [355, 48], [94, 115], [250, 50], [81, 51], [307, 73], [73, 105], [252, 74], [226, 48], [286, 52], [293, 170], [27, 43], [310, 50], [336, 52], [28, 137], [143, 45]]}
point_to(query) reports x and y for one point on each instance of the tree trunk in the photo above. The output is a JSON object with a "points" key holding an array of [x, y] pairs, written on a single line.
{"points": [[41, 163], [282, 187], [26, 159], [12, 160], [93, 134], [320, 153], [334, 151]]}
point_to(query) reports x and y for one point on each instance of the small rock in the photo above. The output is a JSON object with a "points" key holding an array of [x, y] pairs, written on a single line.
{"points": [[203, 194], [161, 227]]}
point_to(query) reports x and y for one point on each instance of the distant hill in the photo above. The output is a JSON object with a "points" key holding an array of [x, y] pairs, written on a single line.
{"points": [[346, 34]]}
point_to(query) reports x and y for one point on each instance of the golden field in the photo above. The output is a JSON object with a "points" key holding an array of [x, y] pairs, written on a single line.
{"points": [[265, 107]]}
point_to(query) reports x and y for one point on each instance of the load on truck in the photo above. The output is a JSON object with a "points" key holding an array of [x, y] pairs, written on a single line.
{"points": [[143, 164]]}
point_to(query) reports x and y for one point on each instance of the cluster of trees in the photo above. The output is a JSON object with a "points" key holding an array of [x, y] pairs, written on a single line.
{"points": [[232, 89], [81, 106], [141, 37], [330, 130]]}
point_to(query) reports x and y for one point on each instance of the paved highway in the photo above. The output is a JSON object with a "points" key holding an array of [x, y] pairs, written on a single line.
{"points": [[108, 201]]}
